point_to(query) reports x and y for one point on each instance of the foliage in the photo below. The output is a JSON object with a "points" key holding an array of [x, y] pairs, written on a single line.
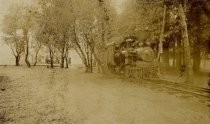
{"points": [[140, 17]]}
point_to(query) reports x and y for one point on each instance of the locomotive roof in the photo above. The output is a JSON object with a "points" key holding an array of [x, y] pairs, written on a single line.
{"points": [[129, 40], [121, 42]]}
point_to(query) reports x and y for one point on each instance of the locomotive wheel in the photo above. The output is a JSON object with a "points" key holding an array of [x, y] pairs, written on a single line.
{"points": [[144, 72], [128, 72], [140, 73]]}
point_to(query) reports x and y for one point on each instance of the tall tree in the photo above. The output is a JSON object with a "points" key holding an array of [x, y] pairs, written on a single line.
{"points": [[13, 34], [198, 18], [187, 51], [47, 27], [64, 22], [84, 31], [37, 45], [25, 23]]}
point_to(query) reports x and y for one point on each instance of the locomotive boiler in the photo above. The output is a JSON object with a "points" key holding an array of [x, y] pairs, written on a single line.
{"points": [[133, 59]]}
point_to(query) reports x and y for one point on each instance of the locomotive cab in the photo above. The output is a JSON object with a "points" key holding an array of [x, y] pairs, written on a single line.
{"points": [[128, 50]]}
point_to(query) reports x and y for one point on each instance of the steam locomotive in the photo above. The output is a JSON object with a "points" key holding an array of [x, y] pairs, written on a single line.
{"points": [[133, 59]]}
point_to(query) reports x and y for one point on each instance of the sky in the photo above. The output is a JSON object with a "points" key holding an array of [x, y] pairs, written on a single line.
{"points": [[119, 5]]}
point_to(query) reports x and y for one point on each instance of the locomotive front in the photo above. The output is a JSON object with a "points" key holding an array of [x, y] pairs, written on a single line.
{"points": [[134, 59]]}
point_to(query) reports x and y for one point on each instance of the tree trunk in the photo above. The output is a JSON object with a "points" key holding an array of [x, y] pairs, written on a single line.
{"points": [[104, 20], [27, 49], [26, 57], [105, 36], [189, 70], [67, 64], [66, 57], [51, 62], [78, 47], [166, 56], [88, 69], [36, 57], [88, 55], [196, 58], [51, 59], [160, 46], [17, 60], [35, 60], [174, 56], [62, 61], [98, 61], [62, 56], [197, 43], [91, 61], [178, 53]]}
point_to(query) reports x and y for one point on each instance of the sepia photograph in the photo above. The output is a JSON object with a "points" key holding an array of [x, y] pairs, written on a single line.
{"points": [[104, 62]]}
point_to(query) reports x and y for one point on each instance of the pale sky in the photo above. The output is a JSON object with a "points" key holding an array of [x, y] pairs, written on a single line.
{"points": [[119, 5]]}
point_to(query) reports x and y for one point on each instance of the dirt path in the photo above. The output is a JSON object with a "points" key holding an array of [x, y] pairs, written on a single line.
{"points": [[44, 96]]}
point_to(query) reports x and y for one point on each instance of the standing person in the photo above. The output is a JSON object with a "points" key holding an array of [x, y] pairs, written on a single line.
{"points": [[69, 60], [209, 80], [182, 70], [209, 86], [47, 61]]}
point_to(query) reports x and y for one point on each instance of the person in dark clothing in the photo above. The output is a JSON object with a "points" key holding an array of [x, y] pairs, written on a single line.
{"points": [[182, 70], [209, 80]]}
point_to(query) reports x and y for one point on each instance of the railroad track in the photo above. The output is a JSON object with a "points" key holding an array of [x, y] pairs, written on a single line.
{"points": [[195, 91], [181, 87]]}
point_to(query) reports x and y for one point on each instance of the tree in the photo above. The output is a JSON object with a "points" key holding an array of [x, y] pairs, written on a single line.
{"points": [[160, 46], [82, 22], [37, 45], [17, 46], [55, 22], [47, 29], [182, 7], [25, 22], [63, 27], [187, 52], [198, 18], [67, 23], [85, 30], [12, 34]]}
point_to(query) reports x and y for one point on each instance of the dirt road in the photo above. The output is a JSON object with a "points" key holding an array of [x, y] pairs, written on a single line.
{"points": [[44, 96]]}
